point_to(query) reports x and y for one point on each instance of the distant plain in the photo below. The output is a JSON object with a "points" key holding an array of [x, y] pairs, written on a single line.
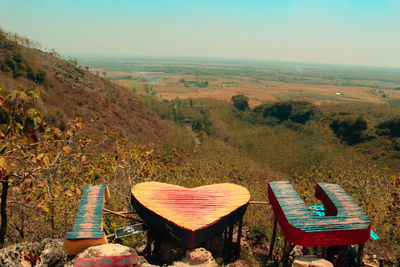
{"points": [[260, 81]]}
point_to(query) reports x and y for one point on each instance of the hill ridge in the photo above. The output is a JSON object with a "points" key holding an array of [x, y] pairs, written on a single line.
{"points": [[69, 91]]}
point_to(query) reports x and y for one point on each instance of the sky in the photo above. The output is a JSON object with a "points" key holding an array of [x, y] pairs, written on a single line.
{"points": [[355, 32]]}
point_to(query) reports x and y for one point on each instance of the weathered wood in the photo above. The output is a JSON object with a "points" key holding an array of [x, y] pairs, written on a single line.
{"points": [[360, 260], [191, 216], [259, 202], [88, 227], [323, 252], [239, 237], [116, 213], [286, 253], [345, 223], [341, 257], [230, 236], [272, 244], [3, 211]]}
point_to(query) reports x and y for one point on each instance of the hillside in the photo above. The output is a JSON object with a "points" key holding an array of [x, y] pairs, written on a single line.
{"points": [[68, 91]]}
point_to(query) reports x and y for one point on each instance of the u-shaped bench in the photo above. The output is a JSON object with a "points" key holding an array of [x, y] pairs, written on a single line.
{"points": [[345, 222]]}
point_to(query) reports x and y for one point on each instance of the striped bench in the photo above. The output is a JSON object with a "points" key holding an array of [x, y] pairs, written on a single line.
{"points": [[88, 226], [344, 222]]}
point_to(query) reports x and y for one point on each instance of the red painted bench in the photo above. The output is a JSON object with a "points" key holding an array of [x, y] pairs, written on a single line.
{"points": [[345, 222]]}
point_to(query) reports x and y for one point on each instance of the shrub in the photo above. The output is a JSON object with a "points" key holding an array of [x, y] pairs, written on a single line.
{"points": [[349, 128], [396, 143], [241, 102], [30, 73], [297, 111], [390, 127], [260, 234]]}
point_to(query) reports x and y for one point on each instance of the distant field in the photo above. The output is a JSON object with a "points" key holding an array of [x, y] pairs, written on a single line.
{"points": [[260, 81]]}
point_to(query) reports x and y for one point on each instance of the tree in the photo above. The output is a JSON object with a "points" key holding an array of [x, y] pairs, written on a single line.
{"points": [[40, 76], [390, 127], [349, 129], [297, 111], [241, 102], [38, 170], [281, 111], [18, 127]]}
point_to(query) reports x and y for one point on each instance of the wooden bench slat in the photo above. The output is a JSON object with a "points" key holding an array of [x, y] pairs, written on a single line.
{"points": [[88, 225]]}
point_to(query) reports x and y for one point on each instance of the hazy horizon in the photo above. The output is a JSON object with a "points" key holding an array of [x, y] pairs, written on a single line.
{"points": [[361, 33], [219, 60]]}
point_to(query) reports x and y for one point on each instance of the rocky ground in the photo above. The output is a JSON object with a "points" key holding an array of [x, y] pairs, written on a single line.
{"points": [[50, 252]]}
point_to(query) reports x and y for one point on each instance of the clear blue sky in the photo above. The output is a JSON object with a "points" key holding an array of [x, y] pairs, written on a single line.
{"points": [[360, 32]]}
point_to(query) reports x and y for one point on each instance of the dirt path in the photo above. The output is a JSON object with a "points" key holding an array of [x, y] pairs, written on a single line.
{"points": [[195, 138]]}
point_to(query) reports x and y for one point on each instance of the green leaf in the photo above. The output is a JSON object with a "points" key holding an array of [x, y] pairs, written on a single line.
{"points": [[18, 94], [37, 122], [19, 126]]}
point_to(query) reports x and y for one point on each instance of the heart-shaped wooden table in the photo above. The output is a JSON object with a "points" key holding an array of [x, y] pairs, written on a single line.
{"points": [[190, 215]]}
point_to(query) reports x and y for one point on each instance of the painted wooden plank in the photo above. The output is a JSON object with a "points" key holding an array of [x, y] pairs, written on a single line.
{"points": [[320, 211], [345, 223], [88, 222], [88, 225], [191, 216]]}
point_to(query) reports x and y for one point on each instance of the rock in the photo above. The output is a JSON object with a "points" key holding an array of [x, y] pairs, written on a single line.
{"points": [[260, 251], [106, 250], [180, 264], [53, 254], [50, 252], [311, 262], [143, 262], [9, 256], [25, 263], [297, 251], [22, 254], [239, 263], [200, 256]]}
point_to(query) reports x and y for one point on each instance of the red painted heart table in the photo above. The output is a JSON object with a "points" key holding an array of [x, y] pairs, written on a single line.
{"points": [[190, 215]]}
